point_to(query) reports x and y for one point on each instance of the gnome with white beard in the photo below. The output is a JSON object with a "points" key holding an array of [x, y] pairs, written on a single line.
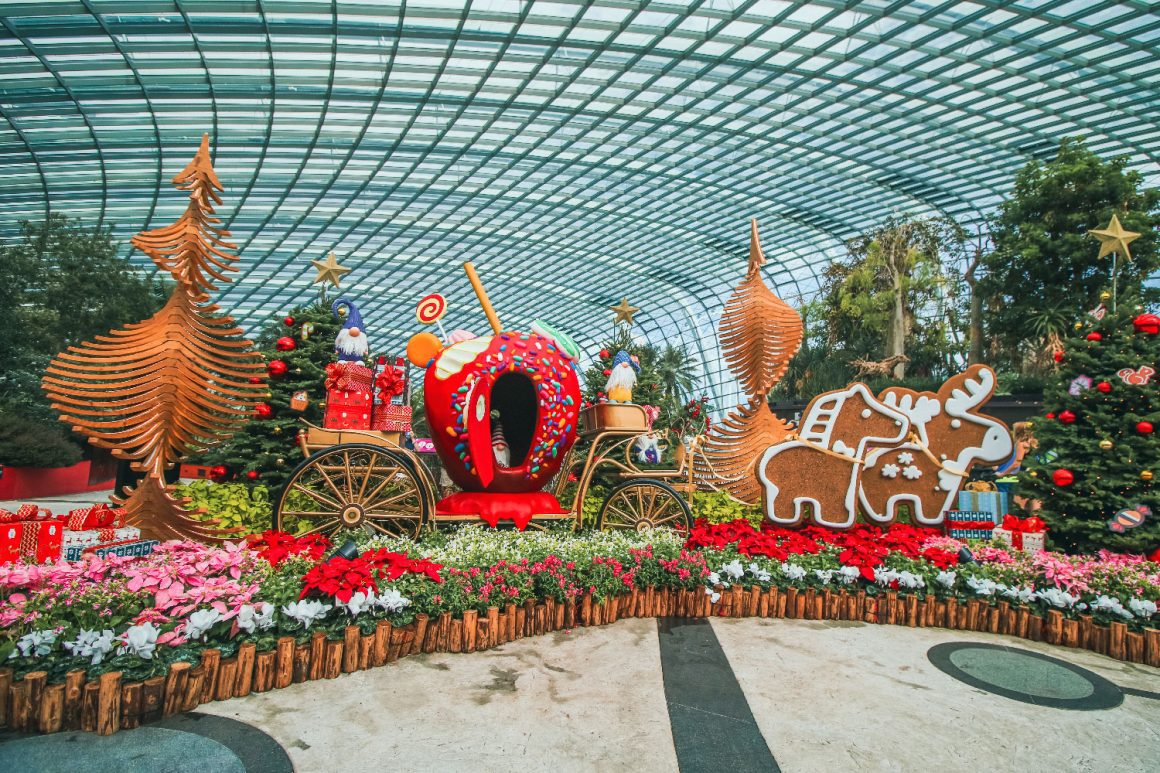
{"points": [[351, 343], [623, 378]]}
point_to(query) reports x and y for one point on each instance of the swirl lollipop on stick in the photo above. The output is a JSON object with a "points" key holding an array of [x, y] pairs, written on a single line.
{"points": [[430, 310]]}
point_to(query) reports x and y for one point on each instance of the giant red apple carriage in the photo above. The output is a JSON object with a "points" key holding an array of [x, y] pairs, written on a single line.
{"points": [[516, 389]]}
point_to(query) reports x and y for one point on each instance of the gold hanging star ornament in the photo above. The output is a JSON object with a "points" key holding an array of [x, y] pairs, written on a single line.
{"points": [[1114, 239], [624, 311], [329, 270]]}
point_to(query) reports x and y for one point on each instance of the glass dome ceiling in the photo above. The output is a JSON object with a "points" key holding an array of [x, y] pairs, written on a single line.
{"points": [[577, 152]]}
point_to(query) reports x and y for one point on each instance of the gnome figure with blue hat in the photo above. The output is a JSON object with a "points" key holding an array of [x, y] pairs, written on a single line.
{"points": [[623, 378], [351, 343]]}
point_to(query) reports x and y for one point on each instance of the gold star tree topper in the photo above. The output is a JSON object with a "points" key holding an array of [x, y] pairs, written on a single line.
{"points": [[624, 311], [1114, 238], [329, 270]]}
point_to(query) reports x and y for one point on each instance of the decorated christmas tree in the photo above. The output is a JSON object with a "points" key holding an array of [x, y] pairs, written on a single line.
{"points": [[297, 346], [1097, 454]]}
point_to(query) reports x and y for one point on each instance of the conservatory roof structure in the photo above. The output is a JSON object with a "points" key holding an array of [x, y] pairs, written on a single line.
{"points": [[579, 152]]}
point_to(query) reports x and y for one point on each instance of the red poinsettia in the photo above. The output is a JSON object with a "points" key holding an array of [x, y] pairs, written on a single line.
{"points": [[277, 546]]}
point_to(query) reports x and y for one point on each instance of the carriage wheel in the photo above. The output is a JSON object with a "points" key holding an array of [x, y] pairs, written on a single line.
{"points": [[642, 504], [350, 486]]}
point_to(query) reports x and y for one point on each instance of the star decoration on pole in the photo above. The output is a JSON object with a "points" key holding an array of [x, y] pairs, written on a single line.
{"points": [[624, 311], [329, 270], [1114, 238]]}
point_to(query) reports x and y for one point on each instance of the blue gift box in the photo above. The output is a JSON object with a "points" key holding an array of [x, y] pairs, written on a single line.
{"points": [[138, 548], [968, 515], [992, 503]]}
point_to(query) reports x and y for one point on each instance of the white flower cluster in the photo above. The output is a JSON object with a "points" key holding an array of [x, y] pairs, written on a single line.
{"points": [[139, 640], [825, 575], [946, 579], [849, 574], [792, 572], [1023, 595], [306, 612], [1109, 604], [908, 580], [91, 644], [1057, 598], [199, 623], [35, 644], [256, 617], [1142, 607]]}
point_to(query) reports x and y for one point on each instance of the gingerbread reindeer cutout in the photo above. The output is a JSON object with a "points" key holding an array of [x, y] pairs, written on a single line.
{"points": [[949, 436]]}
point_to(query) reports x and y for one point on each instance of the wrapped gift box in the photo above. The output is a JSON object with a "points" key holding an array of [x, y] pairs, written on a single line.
{"points": [[10, 542], [968, 524], [91, 537], [32, 541], [1026, 541], [347, 410], [994, 503], [349, 377], [127, 548], [392, 418], [94, 517]]}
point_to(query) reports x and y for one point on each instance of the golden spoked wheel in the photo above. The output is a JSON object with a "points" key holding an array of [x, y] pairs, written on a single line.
{"points": [[643, 504], [351, 486]]}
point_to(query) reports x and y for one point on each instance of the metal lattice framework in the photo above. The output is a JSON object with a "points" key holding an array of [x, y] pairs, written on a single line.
{"points": [[578, 152]]}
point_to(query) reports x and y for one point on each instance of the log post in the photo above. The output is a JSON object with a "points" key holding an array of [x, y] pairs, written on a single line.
{"points": [[1004, 608], [912, 610], [586, 609], [284, 672], [1071, 633], [175, 688], [1152, 646], [74, 688], [421, 621], [455, 636], [302, 662], [5, 684], [559, 616], [511, 623], [89, 706], [264, 669], [1034, 627], [210, 662], [397, 643], [108, 703], [1134, 647], [382, 643], [350, 647], [152, 697], [51, 714], [34, 684], [317, 654], [366, 645], [870, 608], [1116, 641], [443, 645], [245, 678], [791, 595], [522, 621], [493, 637], [227, 679], [1053, 630], [570, 613], [993, 620], [130, 706], [332, 660], [470, 628]]}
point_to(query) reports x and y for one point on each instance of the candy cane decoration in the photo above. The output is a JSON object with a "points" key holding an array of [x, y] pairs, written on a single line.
{"points": [[430, 310]]}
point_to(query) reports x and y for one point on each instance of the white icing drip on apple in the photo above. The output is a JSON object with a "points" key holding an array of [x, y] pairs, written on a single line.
{"points": [[455, 357]]}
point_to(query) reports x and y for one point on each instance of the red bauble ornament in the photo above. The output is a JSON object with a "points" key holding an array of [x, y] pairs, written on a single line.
{"points": [[276, 368], [1147, 323], [1094, 336], [607, 372], [285, 344], [219, 473], [1063, 477], [1051, 415], [1067, 417], [603, 354], [1104, 387], [252, 474], [1057, 355], [1144, 428], [256, 379], [288, 321], [263, 410]]}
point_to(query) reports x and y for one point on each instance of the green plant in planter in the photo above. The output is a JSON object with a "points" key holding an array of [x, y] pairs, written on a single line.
{"points": [[719, 507]]}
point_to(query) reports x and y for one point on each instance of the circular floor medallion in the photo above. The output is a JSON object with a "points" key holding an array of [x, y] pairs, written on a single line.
{"points": [[1026, 676]]}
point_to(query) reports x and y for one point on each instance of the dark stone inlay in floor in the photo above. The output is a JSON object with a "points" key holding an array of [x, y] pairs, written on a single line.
{"points": [[713, 727], [1026, 676], [191, 742]]}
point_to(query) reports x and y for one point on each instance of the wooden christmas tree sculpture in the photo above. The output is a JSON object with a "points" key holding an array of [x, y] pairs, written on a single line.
{"points": [[177, 382], [759, 334]]}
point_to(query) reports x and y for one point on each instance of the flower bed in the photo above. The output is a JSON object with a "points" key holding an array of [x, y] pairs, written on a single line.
{"points": [[106, 643]]}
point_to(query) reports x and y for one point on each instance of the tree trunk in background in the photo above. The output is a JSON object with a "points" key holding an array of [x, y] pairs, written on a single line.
{"points": [[898, 326], [976, 328]]}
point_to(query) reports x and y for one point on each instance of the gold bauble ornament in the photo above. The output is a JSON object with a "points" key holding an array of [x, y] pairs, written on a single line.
{"points": [[1105, 296], [279, 461], [1106, 444], [269, 394], [1034, 474], [1146, 475], [277, 430], [1078, 325]]}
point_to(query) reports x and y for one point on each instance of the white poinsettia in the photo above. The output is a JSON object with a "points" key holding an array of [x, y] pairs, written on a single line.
{"points": [[253, 617], [759, 574], [92, 644], [306, 612], [982, 586], [890, 471], [392, 601], [849, 574], [140, 640], [1108, 604], [1021, 594], [733, 569], [200, 622], [946, 579], [793, 571], [359, 602]]}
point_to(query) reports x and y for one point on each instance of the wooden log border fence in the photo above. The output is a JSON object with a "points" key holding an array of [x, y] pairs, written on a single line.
{"points": [[106, 704]]}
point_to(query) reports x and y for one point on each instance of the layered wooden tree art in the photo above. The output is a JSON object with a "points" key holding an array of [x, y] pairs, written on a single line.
{"points": [[759, 335], [175, 383]]}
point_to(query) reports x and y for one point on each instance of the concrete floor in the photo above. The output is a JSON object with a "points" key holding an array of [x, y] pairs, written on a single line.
{"points": [[825, 695]]}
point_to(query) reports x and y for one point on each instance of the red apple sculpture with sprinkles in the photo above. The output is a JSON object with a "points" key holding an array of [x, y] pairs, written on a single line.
{"points": [[510, 388]]}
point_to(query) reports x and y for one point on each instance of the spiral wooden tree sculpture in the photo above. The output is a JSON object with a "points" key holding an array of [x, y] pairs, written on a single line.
{"points": [[759, 334], [177, 382]]}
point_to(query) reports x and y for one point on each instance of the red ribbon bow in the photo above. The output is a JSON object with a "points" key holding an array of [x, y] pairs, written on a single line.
{"points": [[1020, 526], [390, 384]]}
